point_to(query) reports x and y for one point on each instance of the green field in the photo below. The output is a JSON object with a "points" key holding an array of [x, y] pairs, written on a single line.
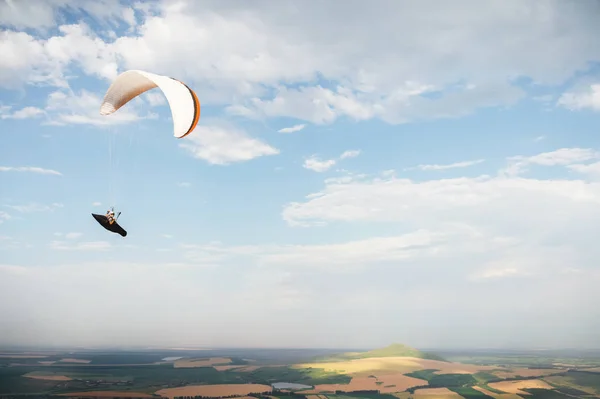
{"points": [[469, 392]]}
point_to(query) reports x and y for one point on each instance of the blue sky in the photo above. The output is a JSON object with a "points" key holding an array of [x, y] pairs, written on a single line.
{"points": [[426, 177]]}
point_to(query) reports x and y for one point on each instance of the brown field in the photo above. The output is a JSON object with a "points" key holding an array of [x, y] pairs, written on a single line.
{"points": [[70, 360], [214, 391], [497, 395], [526, 372], [430, 393], [389, 383], [516, 386], [201, 362], [46, 362], [48, 377], [437, 393], [398, 364], [108, 394]]}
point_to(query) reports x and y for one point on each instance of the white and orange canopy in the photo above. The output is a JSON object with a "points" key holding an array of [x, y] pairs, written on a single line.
{"points": [[184, 104]]}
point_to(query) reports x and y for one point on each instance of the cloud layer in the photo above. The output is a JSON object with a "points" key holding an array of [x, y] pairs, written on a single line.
{"points": [[495, 239]]}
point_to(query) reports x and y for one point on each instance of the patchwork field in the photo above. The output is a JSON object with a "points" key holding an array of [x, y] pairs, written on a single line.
{"points": [[397, 364], [397, 371], [214, 391], [385, 383], [523, 372], [430, 393], [108, 394], [580, 381], [496, 395], [517, 387]]}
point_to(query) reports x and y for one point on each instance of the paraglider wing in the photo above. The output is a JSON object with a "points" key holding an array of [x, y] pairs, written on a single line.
{"points": [[184, 104], [115, 228]]}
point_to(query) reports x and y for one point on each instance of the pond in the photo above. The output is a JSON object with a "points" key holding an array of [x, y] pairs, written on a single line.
{"points": [[171, 358], [289, 385]]}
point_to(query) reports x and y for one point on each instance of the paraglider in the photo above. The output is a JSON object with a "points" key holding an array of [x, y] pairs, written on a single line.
{"points": [[183, 103], [109, 222]]}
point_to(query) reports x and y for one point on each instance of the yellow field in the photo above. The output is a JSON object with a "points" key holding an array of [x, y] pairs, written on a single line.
{"points": [[214, 391], [398, 364], [201, 362], [516, 386], [108, 394], [497, 395], [48, 377]]}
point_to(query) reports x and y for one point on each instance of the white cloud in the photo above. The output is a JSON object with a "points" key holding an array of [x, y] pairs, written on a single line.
{"points": [[29, 169], [23, 113], [317, 165], [502, 204], [292, 129], [66, 107], [384, 66], [40, 14], [350, 154], [47, 61], [496, 273], [35, 207], [184, 184], [7, 242], [4, 216], [314, 104], [561, 157], [590, 169], [587, 98], [155, 97], [539, 138], [338, 258], [80, 246], [482, 230], [455, 165], [72, 236], [223, 144], [96, 203]]}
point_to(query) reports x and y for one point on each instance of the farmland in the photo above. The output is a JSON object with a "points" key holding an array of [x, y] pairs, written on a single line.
{"points": [[393, 372]]}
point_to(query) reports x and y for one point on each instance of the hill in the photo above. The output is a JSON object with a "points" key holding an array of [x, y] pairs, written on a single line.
{"points": [[394, 350]]}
